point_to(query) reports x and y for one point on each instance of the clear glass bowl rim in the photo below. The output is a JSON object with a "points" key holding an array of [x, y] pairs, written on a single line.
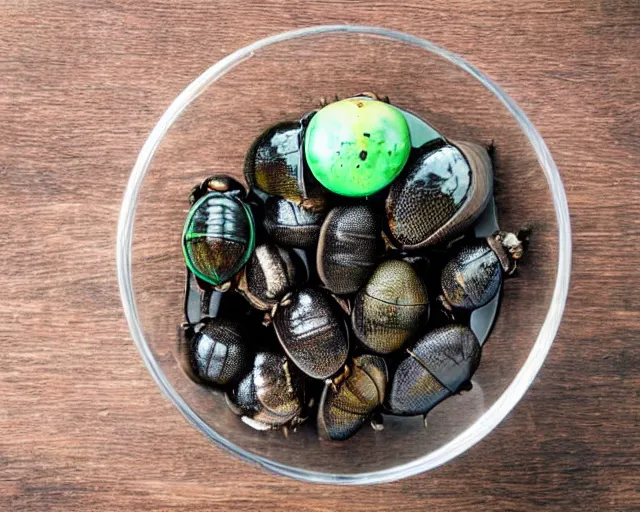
{"points": [[514, 392]]}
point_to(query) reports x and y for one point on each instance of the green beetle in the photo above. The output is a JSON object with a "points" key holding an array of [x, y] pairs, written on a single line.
{"points": [[356, 147], [219, 233]]}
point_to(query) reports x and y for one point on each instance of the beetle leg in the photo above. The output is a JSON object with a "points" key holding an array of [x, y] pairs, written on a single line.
{"points": [[446, 307], [377, 422], [344, 303], [314, 204], [344, 375], [466, 386], [508, 248], [388, 245]]}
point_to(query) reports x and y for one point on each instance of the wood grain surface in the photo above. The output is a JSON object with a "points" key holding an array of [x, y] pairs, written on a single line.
{"points": [[82, 425]]}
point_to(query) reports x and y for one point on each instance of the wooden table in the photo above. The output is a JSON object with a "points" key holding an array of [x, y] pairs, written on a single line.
{"points": [[82, 425]]}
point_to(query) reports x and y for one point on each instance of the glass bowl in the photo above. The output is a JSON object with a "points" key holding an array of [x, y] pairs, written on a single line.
{"points": [[208, 129]]}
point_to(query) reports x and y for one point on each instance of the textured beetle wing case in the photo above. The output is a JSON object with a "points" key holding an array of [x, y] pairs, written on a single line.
{"points": [[414, 390], [451, 354], [313, 333], [344, 410], [348, 247], [219, 352], [274, 162], [472, 277], [442, 191], [390, 308], [243, 396], [335, 424], [273, 386], [291, 225]]}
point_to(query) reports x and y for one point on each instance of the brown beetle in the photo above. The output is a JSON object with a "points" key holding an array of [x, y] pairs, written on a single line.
{"points": [[390, 308], [311, 330], [436, 367], [269, 396], [345, 407], [270, 273], [348, 247], [443, 189]]}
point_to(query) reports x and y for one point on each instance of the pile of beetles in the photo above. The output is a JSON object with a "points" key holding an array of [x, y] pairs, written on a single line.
{"points": [[339, 285]]}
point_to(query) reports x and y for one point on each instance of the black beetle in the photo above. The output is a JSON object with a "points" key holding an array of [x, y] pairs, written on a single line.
{"points": [[474, 275], [311, 330], [216, 351], [291, 225], [442, 190], [435, 367], [348, 248]]}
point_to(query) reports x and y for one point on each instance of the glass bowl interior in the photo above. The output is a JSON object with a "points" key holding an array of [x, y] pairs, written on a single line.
{"points": [[209, 128]]}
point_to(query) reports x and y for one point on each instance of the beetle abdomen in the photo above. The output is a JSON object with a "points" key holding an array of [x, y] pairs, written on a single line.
{"points": [[391, 308], [218, 237], [436, 366], [290, 225], [443, 190], [219, 354], [348, 247], [312, 333], [472, 278]]}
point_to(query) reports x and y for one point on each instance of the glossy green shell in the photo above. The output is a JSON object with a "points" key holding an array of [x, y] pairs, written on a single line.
{"points": [[356, 147], [218, 237]]}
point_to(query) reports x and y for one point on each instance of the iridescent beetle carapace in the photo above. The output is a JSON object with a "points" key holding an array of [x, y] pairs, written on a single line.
{"points": [[219, 236]]}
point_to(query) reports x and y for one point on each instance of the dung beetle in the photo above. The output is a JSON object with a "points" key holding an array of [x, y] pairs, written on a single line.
{"points": [[219, 233], [275, 166], [474, 275], [269, 396], [443, 189], [216, 351], [271, 272], [346, 406], [390, 308], [435, 367], [348, 248], [291, 225], [310, 328]]}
